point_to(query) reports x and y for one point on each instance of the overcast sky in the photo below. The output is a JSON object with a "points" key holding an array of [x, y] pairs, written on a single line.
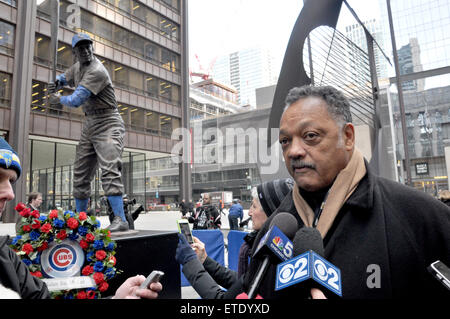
{"points": [[219, 27]]}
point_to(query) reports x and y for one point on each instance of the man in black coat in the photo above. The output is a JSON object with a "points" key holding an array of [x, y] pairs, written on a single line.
{"points": [[206, 216], [381, 235]]}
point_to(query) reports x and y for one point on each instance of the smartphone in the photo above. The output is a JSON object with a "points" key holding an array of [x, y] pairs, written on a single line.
{"points": [[441, 272], [154, 276], [183, 228]]}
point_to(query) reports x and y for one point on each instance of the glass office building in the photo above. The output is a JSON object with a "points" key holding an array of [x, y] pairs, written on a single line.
{"points": [[140, 44], [423, 49]]}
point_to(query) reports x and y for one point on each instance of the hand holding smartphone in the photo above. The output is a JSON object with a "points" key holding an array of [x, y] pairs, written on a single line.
{"points": [[183, 228], [154, 276]]}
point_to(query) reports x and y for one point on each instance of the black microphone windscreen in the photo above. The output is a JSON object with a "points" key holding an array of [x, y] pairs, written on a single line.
{"points": [[308, 238], [286, 223]]}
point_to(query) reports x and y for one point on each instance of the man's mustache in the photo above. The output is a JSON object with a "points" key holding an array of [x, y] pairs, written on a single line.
{"points": [[302, 164]]}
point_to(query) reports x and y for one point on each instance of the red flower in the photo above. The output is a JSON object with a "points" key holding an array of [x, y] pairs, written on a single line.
{"points": [[84, 244], [35, 214], [87, 270], [112, 260], [98, 277], [43, 247], [25, 212], [81, 295], [46, 228], [72, 223], [27, 248], [36, 224], [37, 274], [100, 254], [91, 294], [103, 286], [26, 228], [53, 214], [20, 207], [62, 235], [82, 216], [90, 237]]}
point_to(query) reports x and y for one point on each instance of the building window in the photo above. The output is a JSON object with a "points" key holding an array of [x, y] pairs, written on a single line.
{"points": [[137, 119], [10, 2], [6, 38], [152, 86], [152, 122], [64, 56], [5, 89], [166, 125], [124, 111]]}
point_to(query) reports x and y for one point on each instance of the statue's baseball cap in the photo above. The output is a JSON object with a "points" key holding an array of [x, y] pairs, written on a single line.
{"points": [[9, 158], [79, 37]]}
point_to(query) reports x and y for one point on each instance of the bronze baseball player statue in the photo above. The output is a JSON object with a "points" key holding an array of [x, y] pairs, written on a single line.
{"points": [[101, 141]]}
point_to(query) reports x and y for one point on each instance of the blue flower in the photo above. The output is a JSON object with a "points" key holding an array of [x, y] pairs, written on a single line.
{"points": [[89, 256], [97, 225], [71, 213], [82, 231], [34, 235], [110, 273], [42, 218], [110, 247], [98, 266], [58, 223], [73, 235], [98, 244], [16, 239], [37, 260], [27, 261]]}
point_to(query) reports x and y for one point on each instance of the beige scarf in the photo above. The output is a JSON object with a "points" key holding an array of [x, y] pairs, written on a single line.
{"points": [[345, 183]]}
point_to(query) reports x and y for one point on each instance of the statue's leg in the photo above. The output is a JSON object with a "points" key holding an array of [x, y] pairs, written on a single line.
{"points": [[108, 143], [83, 171]]}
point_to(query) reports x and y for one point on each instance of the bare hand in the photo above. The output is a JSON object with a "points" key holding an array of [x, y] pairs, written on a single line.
{"points": [[130, 289], [317, 294], [199, 248]]}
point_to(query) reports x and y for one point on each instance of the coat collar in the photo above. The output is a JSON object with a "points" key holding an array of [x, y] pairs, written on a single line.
{"points": [[362, 197]]}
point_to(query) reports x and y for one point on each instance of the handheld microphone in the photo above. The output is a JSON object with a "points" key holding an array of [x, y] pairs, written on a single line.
{"points": [[274, 245], [309, 263]]}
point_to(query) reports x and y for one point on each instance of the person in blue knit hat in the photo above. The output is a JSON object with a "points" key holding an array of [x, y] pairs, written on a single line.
{"points": [[16, 280], [10, 171]]}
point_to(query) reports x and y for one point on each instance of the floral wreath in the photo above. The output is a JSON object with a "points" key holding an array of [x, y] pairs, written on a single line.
{"points": [[38, 231]]}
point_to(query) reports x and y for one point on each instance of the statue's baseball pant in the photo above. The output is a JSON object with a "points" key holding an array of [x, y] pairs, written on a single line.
{"points": [[101, 143]]}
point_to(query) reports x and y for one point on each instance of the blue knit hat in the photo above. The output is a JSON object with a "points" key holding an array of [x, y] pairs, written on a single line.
{"points": [[9, 158]]}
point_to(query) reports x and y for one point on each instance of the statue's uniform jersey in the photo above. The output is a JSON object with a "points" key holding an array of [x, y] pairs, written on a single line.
{"points": [[101, 140], [95, 78]]}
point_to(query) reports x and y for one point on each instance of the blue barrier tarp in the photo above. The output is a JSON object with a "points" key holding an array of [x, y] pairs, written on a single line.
{"points": [[214, 245], [235, 241]]}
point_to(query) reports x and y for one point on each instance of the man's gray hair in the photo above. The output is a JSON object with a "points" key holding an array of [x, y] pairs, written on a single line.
{"points": [[338, 105]]}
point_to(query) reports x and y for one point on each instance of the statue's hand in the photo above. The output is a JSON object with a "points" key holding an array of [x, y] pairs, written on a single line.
{"points": [[53, 86], [54, 98]]}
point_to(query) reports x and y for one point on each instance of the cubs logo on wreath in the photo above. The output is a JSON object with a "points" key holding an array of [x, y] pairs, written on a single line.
{"points": [[62, 260]]}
